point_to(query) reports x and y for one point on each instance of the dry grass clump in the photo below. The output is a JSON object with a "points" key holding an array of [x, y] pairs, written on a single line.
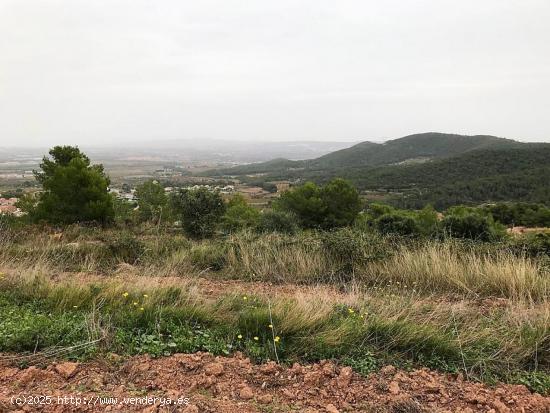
{"points": [[440, 267], [276, 257], [306, 258]]}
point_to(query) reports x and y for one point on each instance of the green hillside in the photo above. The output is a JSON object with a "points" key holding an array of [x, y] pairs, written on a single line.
{"points": [[409, 149], [418, 147], [440, 169], [474, 177], [275, 165], [468, 166]]}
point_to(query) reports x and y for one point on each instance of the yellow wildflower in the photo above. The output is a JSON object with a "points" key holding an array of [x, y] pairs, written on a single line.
{"points": [[277, 339], [256, 338], [125, 295], [239, 336], [270, 326]]}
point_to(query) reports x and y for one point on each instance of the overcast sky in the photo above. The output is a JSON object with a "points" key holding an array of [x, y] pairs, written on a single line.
{"points": [[96, 71]]}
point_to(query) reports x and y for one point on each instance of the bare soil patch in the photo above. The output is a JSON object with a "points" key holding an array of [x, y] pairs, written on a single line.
{"points": [[234, 384]]}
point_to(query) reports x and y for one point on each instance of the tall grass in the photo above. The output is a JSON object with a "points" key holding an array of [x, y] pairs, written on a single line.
{"points": [[482, 309], [447, 266], [484, 340], [275, 257], [441, 267]]}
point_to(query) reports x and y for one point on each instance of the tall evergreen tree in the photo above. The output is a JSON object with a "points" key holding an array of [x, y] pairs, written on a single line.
{"points": [[73, 189]]}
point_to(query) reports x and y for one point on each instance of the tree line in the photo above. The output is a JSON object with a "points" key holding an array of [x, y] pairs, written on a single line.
{"points": [[75, 191]]}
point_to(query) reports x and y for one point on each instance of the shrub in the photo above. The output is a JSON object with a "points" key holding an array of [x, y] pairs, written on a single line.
{"points": [[278, 221], [126, 247], [334, 205], [152, 201], [342, 245], [472, 226], [342, 203], [427, 220], [239, 215], [306, 203], [200, 211], [375, 210], [389, 220], [348, 250], [520, 213], [344, 249], [124, 211], [397, 223], [534, 244]]}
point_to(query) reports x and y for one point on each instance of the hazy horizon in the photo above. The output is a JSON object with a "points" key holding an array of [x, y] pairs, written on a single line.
{"points": [[144, 143], [132, 71]]}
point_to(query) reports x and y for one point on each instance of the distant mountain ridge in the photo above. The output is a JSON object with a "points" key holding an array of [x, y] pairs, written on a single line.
{"points": [[436, 168], [429, 145], [426, 146]]}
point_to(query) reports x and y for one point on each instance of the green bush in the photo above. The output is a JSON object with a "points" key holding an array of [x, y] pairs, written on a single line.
{"points": [[349, 249], [334, 205], [534, 244], [397, 223], [239, 215], [278, 221], [124, 211], [520, 213], [199, 210], [342, 203], [125, 247], [389, 220], [344, 247], [471, 226], [152, 201]]}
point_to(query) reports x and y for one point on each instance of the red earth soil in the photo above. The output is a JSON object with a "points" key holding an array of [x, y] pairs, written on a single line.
{"points": [[204, 383]]}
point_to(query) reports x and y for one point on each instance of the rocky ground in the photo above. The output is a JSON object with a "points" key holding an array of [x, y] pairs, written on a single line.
{"points": [[204, 383]]}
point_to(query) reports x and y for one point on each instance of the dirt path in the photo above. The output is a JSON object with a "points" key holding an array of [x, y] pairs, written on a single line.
{"points": [[204, 383]]}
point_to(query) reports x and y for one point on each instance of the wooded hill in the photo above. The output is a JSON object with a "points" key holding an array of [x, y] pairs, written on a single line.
{"points": [[436, 168]]}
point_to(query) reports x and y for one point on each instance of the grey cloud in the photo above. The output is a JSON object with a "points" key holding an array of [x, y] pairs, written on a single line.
{"points": [[77, 71]]}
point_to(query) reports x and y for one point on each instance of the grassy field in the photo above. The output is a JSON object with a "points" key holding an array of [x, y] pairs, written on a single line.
{"points": [[360, 298]]}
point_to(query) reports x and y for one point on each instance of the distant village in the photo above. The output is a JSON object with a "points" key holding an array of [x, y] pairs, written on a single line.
{"points": [[8, 206], [128, 193], [256, 194]]}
